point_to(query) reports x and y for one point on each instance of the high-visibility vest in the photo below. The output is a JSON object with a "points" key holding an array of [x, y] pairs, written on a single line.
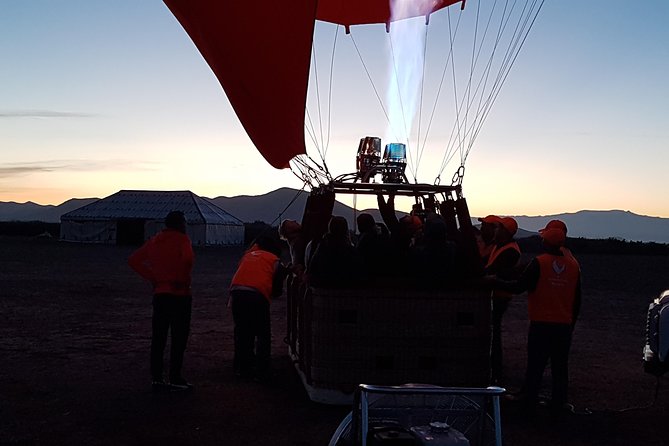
{"points": [[553, 298], [496, 251], [256, 270]]}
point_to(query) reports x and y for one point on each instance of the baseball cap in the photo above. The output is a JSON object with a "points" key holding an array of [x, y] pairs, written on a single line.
{"points": [[555, 233], [509, 224], [489, 219], [557, 224]]}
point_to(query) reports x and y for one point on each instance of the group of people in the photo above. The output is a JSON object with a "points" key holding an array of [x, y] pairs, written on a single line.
{"points": [[166, 261], [413, 251], [551, 280]]}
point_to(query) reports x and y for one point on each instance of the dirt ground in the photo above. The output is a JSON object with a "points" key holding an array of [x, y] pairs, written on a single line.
{"points": [[75, 333]]}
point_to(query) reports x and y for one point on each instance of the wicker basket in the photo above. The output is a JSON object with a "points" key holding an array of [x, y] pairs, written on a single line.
{"points": [[390, 337]]}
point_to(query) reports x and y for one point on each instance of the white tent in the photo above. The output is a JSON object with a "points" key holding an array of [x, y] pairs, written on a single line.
{"points": [[131, 217]]}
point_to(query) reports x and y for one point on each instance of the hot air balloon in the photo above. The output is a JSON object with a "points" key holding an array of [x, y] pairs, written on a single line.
{"points": [[264, 54]]}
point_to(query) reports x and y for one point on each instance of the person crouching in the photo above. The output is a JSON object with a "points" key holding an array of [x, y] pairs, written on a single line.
{"points": [[258, 278]]}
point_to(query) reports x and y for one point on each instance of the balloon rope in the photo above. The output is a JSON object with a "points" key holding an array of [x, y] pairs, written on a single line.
{"points": [[334, 46], [404, 119], [318, 98], [373, 86], [420, 150], [512, 62], [447, 160], [299, 192], [443, 76]]}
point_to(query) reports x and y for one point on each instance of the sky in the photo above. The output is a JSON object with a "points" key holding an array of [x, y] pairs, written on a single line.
{"points": [[99, 96]]}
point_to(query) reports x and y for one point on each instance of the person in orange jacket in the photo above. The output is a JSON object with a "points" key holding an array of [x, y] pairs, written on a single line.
{"points": [[502, 261], [259, 277], [553, 283], [166, 260]]}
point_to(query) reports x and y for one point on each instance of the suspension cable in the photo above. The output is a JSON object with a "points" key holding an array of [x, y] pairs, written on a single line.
{"points": [[510, 65], [404, 119], [290, 203], [526, 21], [443, 75], [474, 63], [419, 149], [450, 152], [334, 46], [369, 76], [483, 82], [278, 217], [318, 97]]}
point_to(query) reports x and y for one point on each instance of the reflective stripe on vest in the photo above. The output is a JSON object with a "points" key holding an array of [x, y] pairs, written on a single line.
{"points": [[497, 251], [256, 270], [553, 298]]}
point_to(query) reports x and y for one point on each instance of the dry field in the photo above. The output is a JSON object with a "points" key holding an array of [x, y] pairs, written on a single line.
{"points": [[74, 339]]}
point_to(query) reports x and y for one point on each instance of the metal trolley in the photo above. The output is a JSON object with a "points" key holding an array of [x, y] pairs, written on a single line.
{"points": [[419, 414]]}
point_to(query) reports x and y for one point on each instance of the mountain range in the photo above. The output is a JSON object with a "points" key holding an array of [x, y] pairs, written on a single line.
{"points": [[286, 203]]}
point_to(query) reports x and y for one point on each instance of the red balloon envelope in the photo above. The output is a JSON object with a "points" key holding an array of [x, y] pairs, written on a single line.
{"points": [[260, 52]]}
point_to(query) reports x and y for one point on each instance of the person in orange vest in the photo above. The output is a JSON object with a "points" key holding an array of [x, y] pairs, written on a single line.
{"points": [[486, 239], [502, 262], [553, 283], [258, 278], [166, 260]]}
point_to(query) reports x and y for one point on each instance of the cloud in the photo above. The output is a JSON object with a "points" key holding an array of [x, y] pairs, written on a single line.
{"points": [[10, 170], [43, 114]]}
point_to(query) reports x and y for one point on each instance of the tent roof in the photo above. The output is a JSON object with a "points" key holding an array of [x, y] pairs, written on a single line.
{"points": [[153, 205]]}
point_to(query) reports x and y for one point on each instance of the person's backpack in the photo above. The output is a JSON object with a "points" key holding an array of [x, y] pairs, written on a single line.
{"points": [[656, 350]]}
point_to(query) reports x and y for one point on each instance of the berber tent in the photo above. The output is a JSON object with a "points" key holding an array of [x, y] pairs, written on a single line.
{"points": [[131, 217]]}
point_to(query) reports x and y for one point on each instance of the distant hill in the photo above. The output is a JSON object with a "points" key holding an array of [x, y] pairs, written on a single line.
{"points": [[605, 224], [271, 207], [274, 206], [11, 211], [587, 224]]}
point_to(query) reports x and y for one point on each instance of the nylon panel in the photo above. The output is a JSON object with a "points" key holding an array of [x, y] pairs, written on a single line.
{"points": [[358, 12], [260, 53]]}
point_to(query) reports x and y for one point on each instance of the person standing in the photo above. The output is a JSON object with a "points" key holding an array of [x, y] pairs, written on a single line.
{"points": [[553, 282], [559, 224], [486, 239], [502, 261], [258, 278], [166, 260]]}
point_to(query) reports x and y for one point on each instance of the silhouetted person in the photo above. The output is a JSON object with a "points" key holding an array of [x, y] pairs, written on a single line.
{"points": [[432, 258], [502, 262], [291, 232], [166, 260], [372, 245], [335, 262], [258, 278], [486, 241]]}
